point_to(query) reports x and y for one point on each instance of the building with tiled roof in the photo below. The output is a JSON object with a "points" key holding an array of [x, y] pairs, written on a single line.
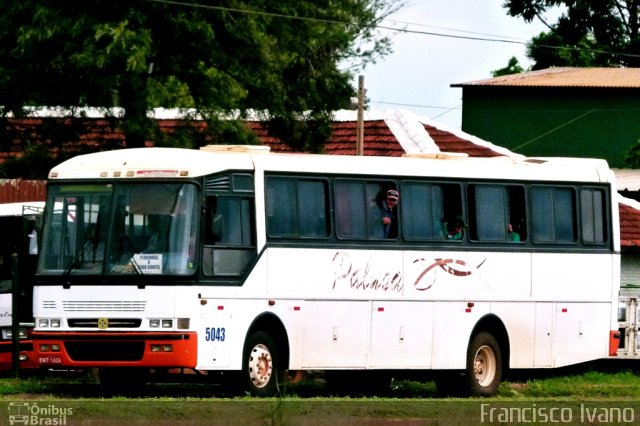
{"points": [[557, 112], [629, 222], [386, 133]]}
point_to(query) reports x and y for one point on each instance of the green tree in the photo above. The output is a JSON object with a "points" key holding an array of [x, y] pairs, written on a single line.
{"points": [[602, 33], [632, 156], [221, 58], [513, 67]]}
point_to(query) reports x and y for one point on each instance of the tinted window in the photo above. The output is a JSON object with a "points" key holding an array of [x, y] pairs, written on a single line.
{"points": [[497, 213], [553, 214], [297, 208], [358, 211], [427, 208], [593, 214]]}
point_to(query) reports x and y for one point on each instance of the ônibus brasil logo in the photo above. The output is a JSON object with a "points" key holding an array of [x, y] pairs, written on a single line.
{"points": [[32, 413]]}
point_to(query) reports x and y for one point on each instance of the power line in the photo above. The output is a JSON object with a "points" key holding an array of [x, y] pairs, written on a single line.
{"points": [[493, 39], [414, 105], [476, 37], [417, 24], [250, 12], [514, 41]]}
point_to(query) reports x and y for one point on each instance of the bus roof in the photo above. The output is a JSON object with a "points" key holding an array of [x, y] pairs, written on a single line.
{"points": [[179, 162]]}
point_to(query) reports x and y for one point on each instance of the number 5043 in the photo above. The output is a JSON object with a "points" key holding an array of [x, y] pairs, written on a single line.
{"points": [[213, 334]]}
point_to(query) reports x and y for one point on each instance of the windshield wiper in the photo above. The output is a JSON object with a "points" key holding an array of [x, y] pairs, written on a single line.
{"points": [[90, 243], [132, 260]]}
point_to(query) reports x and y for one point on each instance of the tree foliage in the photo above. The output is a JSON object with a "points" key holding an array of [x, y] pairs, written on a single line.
{"points": [[513, 67], [632, 156], [218, 57], [588, 33]]}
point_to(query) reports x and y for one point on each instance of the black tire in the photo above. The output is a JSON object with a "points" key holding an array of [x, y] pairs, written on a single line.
{"points": [[260, 368], [484, 365]]}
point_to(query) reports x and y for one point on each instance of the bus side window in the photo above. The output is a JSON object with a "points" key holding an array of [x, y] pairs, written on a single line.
{"points": [[422, 211], [216, 225], [229, 236], [358, 209], [497, 213], [553, 216], [297, 208], [594, 213]]}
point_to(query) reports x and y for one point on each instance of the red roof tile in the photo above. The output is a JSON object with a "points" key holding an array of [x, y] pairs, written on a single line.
{"points": [[379, 140], [629, 226], [449, 142]]}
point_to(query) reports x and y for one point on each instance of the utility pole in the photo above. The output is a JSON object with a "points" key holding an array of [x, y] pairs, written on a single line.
{"points": [[360, 125]]}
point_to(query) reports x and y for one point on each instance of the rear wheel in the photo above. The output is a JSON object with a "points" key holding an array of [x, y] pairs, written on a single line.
{"points": [[260, 365], [484, 365]]}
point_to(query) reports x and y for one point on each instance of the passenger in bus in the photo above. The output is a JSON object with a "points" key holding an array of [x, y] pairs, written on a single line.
{"points": [[511, 234], [453, 228], [388, 209]]}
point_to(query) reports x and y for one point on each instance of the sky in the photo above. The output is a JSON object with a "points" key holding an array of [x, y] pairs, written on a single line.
{"points": [[418, 74]]}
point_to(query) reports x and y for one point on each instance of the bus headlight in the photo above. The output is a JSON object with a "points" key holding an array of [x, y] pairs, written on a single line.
{"points": [[7, 333], [161, 323], [46, 347], [49, 322]]}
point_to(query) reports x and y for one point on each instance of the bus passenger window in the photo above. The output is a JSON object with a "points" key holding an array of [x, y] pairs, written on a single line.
{"points": [[359, 209], [594, 213], [432, 211], [553, 214], [497, 213], [297, 208]]}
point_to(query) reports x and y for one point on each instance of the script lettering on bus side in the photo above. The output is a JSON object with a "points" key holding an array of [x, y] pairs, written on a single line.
{"points": [[455, 267], [348, 274]]}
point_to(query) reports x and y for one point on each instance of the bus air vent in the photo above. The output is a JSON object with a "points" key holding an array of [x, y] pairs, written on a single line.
{"points": [[219, 183], [105, 306]]}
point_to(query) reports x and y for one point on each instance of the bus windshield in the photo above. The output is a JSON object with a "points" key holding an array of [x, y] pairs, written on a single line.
{"points": [[120, 228]]}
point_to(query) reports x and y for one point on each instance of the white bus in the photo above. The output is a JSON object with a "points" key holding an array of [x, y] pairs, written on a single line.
{"points": [[240, 260]]}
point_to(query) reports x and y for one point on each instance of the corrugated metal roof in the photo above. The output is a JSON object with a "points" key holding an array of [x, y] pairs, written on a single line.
{"points": [[566, 77], [19, 190]]}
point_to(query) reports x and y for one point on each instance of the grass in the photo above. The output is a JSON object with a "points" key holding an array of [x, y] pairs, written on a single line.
{"points": [[310, 403], [584, 384]]}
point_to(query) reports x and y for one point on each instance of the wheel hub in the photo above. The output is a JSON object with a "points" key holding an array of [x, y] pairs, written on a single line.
{"points": [[484, 366], [260, 366]]}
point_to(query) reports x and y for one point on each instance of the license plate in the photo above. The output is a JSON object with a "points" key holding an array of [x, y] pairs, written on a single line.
{"points": [[50, 360]]}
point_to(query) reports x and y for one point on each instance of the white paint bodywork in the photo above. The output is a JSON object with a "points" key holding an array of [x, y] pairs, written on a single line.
{"points": [[378, 309]]}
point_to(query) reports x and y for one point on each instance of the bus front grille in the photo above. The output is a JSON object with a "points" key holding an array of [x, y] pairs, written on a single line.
{"points": [[105, 351], [104, 322]]}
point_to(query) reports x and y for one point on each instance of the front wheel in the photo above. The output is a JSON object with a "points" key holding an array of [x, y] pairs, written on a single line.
{"points": [[260, 365], [484, 365]]}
